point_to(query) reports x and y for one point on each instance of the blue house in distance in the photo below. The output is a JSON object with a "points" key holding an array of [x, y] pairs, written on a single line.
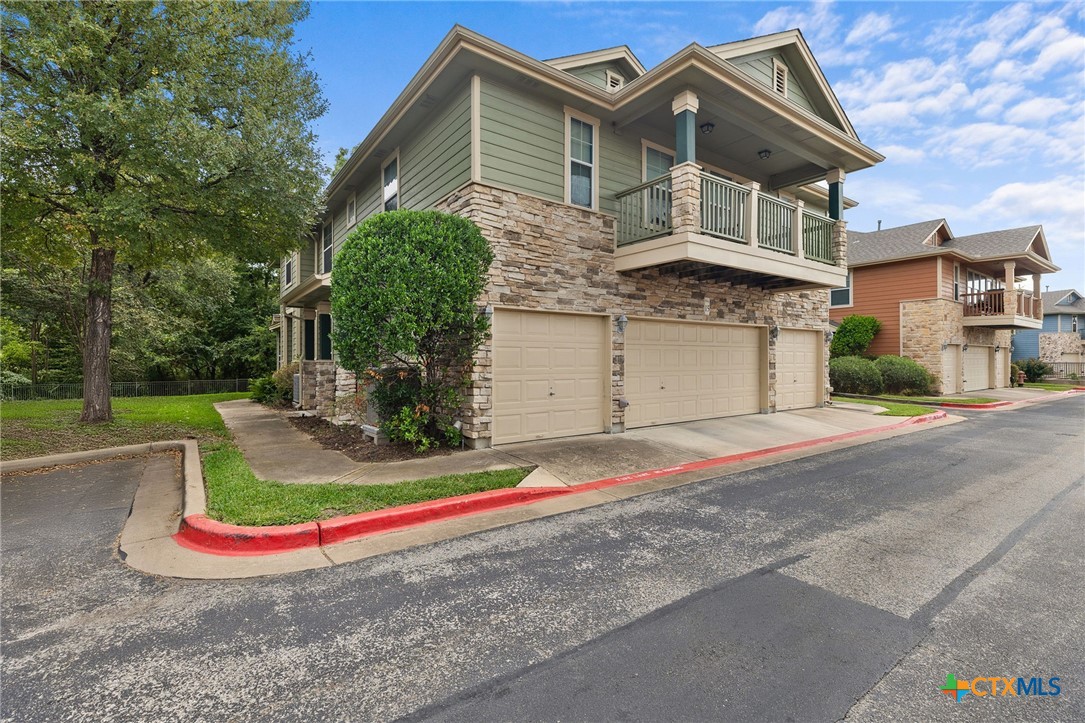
{"points": [[1062, 338]]}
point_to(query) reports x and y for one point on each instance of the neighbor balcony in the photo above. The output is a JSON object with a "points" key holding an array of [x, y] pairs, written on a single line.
{"points": [[1003, 309], [691, 221]]}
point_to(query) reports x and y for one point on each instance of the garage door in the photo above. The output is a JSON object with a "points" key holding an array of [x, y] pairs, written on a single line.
{"points": [[676, 372], [798, 368], [977, 368], [548, 375]]}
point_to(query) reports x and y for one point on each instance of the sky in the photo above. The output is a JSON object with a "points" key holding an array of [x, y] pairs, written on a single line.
{"points": [[978, 107]]}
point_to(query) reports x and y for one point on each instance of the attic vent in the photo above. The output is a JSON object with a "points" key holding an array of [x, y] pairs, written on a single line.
{"points": [[380, 153], [614, 81], [428, 101], [779, 77], [529, 82]]}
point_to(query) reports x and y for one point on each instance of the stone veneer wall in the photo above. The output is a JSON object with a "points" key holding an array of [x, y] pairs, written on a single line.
{"points": [[1054, 345], [554, 257], [928, 323], [327, 390]]}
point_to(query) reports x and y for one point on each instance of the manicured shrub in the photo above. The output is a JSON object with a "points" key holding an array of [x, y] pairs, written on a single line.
{"points": [[853, 336], [1013, 374], [405, 288], [276, 389], [854, 375], [901, 375], [1035, 370], [264, 390]]}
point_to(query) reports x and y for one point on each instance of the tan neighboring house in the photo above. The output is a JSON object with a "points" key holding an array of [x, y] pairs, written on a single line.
{"points": [[665, 238], [950, 303]]}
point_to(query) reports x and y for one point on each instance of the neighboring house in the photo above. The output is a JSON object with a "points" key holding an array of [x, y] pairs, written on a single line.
{"points": [[950, 303], [665, 239], [1062, 338]]}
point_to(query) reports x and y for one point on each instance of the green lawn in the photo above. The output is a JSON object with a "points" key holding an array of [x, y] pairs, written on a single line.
{"points": [[236, 496], [894, 409], [1051, 386], [33, 429], [938, 400]]}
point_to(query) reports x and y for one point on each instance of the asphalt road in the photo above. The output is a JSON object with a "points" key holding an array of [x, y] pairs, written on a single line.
{"points": [[845, 585]]}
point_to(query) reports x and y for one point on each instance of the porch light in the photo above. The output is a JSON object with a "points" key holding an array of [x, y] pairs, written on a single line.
{"points": [[623, 322], [945, 345], [829, 336], [774, 332], [964, 348], [764, 154], [707, 128], [998, 348]]}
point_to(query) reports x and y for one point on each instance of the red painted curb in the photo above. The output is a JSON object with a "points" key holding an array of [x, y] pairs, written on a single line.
{"points": [[341, 529], [201, 533], [986, 405]]}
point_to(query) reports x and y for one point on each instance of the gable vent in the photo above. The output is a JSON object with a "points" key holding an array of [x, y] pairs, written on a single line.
{"points": [[614, 81], [779, 77]]}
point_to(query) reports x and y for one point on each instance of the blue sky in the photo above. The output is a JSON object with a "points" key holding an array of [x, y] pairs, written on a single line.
{"points": [[978, 107]]}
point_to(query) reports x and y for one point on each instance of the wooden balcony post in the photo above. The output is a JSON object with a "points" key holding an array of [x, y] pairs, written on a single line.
{"points": [[796, 231], [751, 213]]}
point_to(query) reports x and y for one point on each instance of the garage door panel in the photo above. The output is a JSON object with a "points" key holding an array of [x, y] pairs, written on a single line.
{"points": [[681, 371], [977, 360], [798, 368]]}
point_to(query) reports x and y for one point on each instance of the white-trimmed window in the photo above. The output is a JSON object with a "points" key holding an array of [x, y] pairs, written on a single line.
{"points": [[657, 160], [1073, 324], [581, 160], [288, 271], [841, 296], [779, 77], [956, 282], [390, 182], [352, 211], [614, 81], [326, 248]]}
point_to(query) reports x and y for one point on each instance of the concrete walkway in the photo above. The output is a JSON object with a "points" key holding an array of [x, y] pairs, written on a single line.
{"points": [[278, 451]]}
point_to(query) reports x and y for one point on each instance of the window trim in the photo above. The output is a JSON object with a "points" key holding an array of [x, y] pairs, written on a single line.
{"points": [[645, 144], [1073, 324], [393, 156], [956, 281], [327, 244], [352, 210], [288, 271], [849, 284], [570, 114], [779, 68]]}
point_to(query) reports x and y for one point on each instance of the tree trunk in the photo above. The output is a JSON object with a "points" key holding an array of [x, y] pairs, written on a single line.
{"points": [[99, 329]]}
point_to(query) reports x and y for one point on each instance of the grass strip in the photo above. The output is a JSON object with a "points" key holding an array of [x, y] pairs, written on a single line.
{"points": [[938, 400], [894, 409], [236, 496], [1050, 386], [35, 428]]}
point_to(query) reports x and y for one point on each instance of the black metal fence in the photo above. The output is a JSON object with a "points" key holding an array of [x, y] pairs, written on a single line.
{"points": [[23, 392], [1066, 370]]}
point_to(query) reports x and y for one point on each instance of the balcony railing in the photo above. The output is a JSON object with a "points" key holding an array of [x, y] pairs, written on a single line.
{"points": [[993, 303], [645, 212]]}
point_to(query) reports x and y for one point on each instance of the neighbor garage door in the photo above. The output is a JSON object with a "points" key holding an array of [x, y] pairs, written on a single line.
{"points": [[548, 375], [676, 371], [798, 368], [977, 368]]}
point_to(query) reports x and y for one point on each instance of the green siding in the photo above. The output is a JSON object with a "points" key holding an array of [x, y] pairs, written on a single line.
{"points": [[759, 66], [523, 141], [307, 257], [596, 74], [437, 159], [620, 166]]}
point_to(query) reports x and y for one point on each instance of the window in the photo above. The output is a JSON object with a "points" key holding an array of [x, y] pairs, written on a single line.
{"points": [[657, 162], [288, 271], [325, 336], [580, 148], [956, 282], [326, 250], [1073, 324], [352, 211], [779, 77], [614, 81], [390, 172], [842, 295]]}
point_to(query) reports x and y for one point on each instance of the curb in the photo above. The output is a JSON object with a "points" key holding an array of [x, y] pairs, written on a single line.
{"points": [[96, 455], [200, 533]]}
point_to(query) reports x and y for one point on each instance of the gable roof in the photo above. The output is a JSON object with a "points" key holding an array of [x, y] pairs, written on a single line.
{"points": [[1051, 301], [801, 63], [620, 55], [907, 242]]}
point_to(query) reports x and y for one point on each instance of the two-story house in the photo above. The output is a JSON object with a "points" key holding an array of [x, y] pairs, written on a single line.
{"points": [[950, 303], [1061, 340], [665, 239]]}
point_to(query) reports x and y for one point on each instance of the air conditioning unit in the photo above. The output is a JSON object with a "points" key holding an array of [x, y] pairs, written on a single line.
{"points": [[297, 389]]}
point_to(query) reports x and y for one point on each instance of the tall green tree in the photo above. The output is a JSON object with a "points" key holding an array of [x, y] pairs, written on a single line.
{"points": [[144, 133]]}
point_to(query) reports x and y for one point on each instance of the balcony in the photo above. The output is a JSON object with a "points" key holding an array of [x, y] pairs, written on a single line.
{"points": [[1003, 309], [694, 222]]}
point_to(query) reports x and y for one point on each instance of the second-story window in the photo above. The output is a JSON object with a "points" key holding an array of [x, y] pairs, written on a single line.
{"points": [[326, 250], [956, 282], [391, 183], [1073, 324], [581, 162], [352, 215], [841, 296], [288, 271]]}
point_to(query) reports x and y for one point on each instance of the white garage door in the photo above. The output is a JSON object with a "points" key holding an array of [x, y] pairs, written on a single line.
{"points": [[951, 369], [798, 368], [676, 371], [977, 368], [548, 375]]}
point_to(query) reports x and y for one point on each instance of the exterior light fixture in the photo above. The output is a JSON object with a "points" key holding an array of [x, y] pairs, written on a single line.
{"points": [[829, 334], [707, 128], [488, 312], [764, 154], [964, 348], [774, 332], [998, 348], [623, 322], [945, 345]]}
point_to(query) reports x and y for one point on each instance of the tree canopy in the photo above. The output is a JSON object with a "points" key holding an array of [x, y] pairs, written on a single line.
{"points": [[151, 133]]}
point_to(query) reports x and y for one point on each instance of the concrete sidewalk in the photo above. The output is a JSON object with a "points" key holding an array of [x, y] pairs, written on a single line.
{"points": [[278, 451]]}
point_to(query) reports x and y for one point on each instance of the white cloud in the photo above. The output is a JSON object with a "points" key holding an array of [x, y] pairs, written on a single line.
{"points": [[872, 27], [902, 154], [1036, 110]]}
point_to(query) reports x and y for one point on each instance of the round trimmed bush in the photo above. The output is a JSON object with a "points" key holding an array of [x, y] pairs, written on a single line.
{"points": [[854, 375], [901, 375]]}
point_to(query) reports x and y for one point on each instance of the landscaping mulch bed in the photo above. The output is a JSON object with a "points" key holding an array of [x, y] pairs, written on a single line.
{"points": [[349, 440]]}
